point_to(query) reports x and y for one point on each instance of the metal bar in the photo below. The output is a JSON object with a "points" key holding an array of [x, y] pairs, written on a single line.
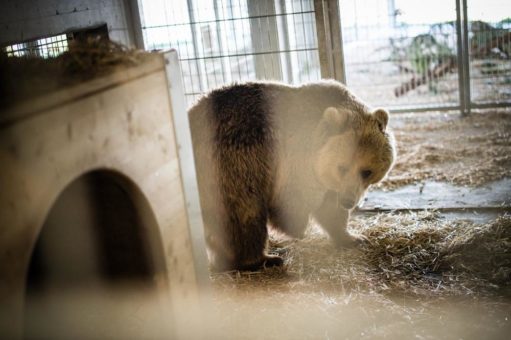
{"points": [[295, 58], [391, 12], [224, 61], [237, 61], [424, 109], [247, 64], [251, 54], [200, 68], [466, 59], [306, 44], [287, 70], [459, 44], [474, 106], [268, 34], [490, 105]]}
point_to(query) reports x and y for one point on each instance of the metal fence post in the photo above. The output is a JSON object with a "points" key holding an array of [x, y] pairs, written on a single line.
{"points": [[466, 58], [463, 56], [459, 50], [199, 64]]}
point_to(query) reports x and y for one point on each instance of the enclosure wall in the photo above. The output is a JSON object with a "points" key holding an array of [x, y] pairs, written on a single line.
{"points": [[28, 20]]}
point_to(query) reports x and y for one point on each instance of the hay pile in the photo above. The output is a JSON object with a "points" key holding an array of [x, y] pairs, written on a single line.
{"points": [[422, 251], [417, 253], [25, 77]]}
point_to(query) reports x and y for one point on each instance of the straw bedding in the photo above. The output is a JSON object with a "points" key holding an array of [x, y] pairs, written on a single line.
{"points": [[416, 275], [472, 150], [420, 253], [24, 77], [422, 250]]}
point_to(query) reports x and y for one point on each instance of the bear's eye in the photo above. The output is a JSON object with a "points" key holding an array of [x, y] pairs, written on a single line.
{"points": [[365, 174], [380, 127]]}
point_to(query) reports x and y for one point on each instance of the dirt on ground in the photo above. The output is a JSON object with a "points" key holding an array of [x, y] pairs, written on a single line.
{"points": [[471, 150]]}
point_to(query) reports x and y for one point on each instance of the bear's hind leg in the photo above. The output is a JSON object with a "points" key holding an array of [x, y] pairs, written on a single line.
{"points": [[248, 240]]}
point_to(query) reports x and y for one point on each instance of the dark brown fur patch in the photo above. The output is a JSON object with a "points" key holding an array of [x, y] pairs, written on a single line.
{"points": [[243, 152], [242, 116]]}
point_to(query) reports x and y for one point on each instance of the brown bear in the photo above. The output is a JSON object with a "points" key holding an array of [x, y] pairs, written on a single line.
{"points": [[269, 154]]}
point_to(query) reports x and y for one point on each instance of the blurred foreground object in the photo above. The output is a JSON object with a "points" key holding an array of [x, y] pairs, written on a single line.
{"points": [[94, 217]]}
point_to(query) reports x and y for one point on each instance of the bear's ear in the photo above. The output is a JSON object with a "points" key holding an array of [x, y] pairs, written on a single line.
{"points": [[335, 117], [382, 117]]}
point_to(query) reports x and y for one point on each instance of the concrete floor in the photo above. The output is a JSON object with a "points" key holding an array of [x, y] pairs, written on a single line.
{"points": [[479, 204]]}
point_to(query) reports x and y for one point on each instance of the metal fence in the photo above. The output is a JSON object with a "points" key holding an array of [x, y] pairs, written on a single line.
{"points": [[489, 56], [222, 41], [45, 47], [406, 55], [397, 64], [451, 54]]}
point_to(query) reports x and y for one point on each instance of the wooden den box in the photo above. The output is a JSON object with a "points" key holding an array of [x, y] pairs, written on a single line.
{"points": [[92, 195]]}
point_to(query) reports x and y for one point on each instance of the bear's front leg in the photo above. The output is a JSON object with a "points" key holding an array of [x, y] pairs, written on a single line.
{"points": [[333, 218]]}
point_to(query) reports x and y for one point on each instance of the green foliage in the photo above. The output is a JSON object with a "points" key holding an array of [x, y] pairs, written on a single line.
{"points": [[421, 54], [504, 23], [425, 52]]}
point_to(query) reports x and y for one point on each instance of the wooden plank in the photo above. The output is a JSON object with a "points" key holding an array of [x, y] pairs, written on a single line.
{"points": [[328, 30]]}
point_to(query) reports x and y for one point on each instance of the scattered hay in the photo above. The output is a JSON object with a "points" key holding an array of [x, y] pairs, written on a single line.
{"points": [[422, 251], [417, 253], [417, 276], [24, 77], [472, 150]]}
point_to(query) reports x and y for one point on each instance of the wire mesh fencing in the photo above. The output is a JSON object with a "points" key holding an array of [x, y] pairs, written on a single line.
{"points": [[399, 63], [405, 55], [490, 52], [224, 41], [45, 47]]}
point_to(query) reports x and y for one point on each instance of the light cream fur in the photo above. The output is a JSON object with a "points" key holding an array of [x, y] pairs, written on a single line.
{"points": [[300, 113]]}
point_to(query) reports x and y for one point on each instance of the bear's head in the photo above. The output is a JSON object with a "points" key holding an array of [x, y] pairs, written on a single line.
{"points": [[355, 149]]}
